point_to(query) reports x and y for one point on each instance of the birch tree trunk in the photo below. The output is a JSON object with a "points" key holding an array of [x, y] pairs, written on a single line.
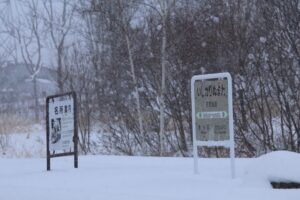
{"points": [[137, 96], [125, 28], [163, 82]]}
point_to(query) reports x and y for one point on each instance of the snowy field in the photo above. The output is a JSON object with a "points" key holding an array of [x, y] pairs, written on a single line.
{"points": [[145, 178], [28, 143]]}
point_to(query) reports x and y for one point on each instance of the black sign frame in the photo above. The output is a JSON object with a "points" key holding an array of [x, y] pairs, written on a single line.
{"points": [[75, 135]]}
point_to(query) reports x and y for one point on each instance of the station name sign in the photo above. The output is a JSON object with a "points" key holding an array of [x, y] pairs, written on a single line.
{"points": [[211, 110], [212, 114]]}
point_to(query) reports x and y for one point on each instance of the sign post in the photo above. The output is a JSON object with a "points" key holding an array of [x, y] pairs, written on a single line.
{"points": [[61, 130], [212, 114]]}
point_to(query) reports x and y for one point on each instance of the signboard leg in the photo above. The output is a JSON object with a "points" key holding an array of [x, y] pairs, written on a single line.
{"points": [[75, 152], [75, 160], [48, 163], [195, 159], [76, 139], [231, 129], [47, 136], [232, 154]]}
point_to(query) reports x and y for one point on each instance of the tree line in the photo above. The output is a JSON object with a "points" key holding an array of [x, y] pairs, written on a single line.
{"points": [[131, 63]]}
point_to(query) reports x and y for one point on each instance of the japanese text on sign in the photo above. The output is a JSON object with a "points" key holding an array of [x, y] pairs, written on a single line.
{"points": [[61, 124], [211, 110]]}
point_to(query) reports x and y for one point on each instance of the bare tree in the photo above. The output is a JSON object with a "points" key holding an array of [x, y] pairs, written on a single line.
{"points": [[125, 23], [59, 18], [164, 10], [28, 32], [121, 14]]}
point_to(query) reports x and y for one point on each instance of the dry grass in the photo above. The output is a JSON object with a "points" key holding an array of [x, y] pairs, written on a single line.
{"points": [[10, 123]]}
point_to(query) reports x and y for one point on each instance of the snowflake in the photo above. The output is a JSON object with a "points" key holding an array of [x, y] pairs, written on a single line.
{"points": [[262, 39], [251, 56], [215, 19]]}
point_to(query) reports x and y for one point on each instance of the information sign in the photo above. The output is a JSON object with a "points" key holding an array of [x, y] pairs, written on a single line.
{"points": [[61, 118], [211, 109], [212, 113]]}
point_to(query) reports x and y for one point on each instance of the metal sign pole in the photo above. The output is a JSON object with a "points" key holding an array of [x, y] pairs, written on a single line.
{"points": [[195, 148], [231, 130], [47, 135], [75, 132]]}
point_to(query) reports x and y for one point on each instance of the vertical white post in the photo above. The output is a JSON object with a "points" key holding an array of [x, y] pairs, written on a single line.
{"points": [[232, 161], [195, 159], [195, 149], [231, 130]]}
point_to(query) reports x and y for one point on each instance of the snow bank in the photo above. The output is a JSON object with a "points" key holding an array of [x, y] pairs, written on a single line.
{"points": [[278, 166], [132, 178]]}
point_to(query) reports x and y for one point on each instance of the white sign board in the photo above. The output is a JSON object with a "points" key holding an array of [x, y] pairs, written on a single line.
{"points": [[61, 124], [211, 110], [212, 113]]}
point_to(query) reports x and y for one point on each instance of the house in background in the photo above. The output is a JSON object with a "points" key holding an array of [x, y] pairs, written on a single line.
{"points": [[16, 89]]}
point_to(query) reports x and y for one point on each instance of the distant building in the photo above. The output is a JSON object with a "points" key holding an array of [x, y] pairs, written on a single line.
{"points": [[16, 88]]}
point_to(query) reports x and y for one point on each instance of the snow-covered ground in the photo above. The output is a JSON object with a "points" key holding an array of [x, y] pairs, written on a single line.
{"points": [[23, 175], [29, 143], [143, 178]]}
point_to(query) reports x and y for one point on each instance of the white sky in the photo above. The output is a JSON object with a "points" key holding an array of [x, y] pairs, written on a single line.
{"points": [[13, 11]]}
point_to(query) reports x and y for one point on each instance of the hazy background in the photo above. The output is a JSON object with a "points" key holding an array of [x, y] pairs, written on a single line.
{"points": [[131, 62]]}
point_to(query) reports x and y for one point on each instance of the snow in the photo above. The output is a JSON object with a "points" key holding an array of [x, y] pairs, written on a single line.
{"points": [[23, 175], [7, 90], [251, 56], [46, 81], [40, 80], [130, 178], [215, 19], [27, 143], [262, 39], [279, 166]]}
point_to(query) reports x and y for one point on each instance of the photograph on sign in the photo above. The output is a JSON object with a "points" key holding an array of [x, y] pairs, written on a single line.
{"points": [[61, 124], [211, 110], [55, 130]]}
